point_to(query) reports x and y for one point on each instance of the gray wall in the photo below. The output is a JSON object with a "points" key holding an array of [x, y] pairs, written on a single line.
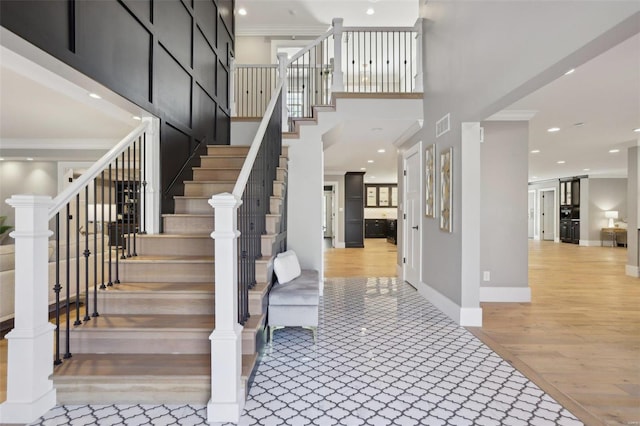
{"points": [[633, 195], [503, 212], [603, 194], [474, 66], [25, 177]]}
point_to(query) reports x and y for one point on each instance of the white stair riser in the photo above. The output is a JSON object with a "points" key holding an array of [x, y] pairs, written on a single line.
{"points": [[266, 244], [166, 272], [154, 303], [188, 225], [179, 246], [114, 341], [193, 206], [201, 189]]}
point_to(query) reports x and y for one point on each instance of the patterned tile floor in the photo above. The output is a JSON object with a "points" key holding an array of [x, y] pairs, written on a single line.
{"points": [[384, 356]]}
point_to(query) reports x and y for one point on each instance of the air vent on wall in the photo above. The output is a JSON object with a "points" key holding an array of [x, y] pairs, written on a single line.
{"points": [[443, 125]]}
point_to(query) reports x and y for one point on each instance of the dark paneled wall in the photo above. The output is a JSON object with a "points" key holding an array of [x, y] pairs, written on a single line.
{"points": [[171, 57]]}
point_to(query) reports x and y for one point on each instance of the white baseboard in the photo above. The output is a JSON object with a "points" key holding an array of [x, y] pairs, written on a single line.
{"points": [[505, 294], [340, 245], [466, 317], [590, 243], [556, 240], [632, 271]]}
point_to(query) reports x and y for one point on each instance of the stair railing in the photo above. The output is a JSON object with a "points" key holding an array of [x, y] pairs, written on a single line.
{"points": [[240, 222], [344, 59], [115, 196]]}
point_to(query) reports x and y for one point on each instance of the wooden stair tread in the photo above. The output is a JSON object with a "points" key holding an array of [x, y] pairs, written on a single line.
{"points": [[170, 287], [149, 322], [168, 259], [143, 366]]}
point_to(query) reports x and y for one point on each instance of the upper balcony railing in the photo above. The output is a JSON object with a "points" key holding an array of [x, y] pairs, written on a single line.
{"points": [[344, 59]]}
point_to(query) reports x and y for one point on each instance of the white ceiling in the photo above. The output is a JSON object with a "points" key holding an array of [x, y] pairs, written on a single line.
{"points": [[604, 94]]}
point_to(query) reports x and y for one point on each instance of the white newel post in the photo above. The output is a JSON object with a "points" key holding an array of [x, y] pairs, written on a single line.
{"points": [[338, 79], [418, 85], [152, 176], [227, 392], [30, 393], [283, 62]]}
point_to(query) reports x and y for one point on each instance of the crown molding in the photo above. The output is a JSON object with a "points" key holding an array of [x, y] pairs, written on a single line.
{"points": [[282, 31], [415, 127]]}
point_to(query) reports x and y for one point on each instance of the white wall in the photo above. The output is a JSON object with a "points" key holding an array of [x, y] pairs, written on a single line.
{"points": [[633, 195], [480, 57], [253, 50], [503, 213], [243, 132], [25, 177]]}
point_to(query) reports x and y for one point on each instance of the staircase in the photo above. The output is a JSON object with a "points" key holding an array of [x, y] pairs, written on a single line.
{"points": [[150, 343]]}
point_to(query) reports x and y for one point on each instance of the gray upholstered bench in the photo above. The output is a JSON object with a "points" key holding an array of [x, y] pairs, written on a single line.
{"points": [[294, 303]]}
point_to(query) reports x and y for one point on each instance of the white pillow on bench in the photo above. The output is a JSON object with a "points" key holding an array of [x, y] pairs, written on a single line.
{"points": [[286, 266]]}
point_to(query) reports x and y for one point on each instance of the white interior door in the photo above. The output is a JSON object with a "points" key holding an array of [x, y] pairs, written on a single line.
{"points": [[531, 209], [548, 213], [328, 214], [411, 255]]}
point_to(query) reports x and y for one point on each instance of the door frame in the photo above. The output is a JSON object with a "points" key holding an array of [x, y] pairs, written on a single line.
{"points": [[417, 148], [535, 202], [334, 206], [538, 228]]}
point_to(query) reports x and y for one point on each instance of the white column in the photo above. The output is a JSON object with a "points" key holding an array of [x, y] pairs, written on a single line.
{"points": [[30, 393], [152, 176], [227, 392], [419, 77], [338, 79], [283, 62]]}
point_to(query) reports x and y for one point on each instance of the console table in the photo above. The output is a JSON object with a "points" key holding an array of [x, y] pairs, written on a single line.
{"points": [[614, 235]]}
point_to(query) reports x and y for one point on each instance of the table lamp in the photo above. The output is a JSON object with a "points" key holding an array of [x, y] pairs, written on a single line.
{"points": [[611, 214]]}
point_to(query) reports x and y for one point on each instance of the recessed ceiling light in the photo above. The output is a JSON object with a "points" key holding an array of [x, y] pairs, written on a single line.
{"points": [[370, 161], [571, 71], [373, 177], [95, 96], [534, 177], [1, 159], [614, 151], [29, 159], [363, 168], [561, 162], [637, 130], [553, 129], [370, 11], [586, 170], [135, 117], [242, 11], [535, 151], [381, 151]]}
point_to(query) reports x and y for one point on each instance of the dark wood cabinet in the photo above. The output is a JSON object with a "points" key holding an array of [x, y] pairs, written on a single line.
{"points": [[354, 210], [570, 231], [381, 195], [375, 228], [570, 210], [392, 231]]}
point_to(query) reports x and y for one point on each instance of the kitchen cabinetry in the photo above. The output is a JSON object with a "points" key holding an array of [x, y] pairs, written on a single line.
{"points": [[570, 211], [381, 195], [354, 209], [375, 228]]}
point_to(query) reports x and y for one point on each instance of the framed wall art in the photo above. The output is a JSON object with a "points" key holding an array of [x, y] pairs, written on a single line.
{"points": [[446, 188], [430, 181]]}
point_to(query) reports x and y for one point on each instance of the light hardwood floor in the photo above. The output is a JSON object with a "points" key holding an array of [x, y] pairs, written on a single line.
{"points": [[579, 339]]}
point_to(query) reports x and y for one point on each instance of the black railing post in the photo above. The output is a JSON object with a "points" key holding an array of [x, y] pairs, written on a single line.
{"points": [[56, 288], [86, 254]]}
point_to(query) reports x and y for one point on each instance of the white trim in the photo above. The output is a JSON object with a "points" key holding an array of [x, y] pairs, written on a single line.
{"points": [[538, 213], [341, 245], [590, 243], [415, 127], [632, 271], [556, 240], [335, 206], [279, 30], [74, 144], [65, 166], [513, 115], [466, 317], [535, 199], [505, 294]]}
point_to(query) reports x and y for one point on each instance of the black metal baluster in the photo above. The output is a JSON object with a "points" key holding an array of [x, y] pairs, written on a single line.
{"points": [[111, 243], [127, 206], [67, 353], [143, 195], [102, 285], [136, 198], [117, 228], [77, 322], [86, 254], [95, 245], [56, 288]]}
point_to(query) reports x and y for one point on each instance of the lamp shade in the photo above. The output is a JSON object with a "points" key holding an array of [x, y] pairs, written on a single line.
{"points": [[95, 213], [611, 214]]}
